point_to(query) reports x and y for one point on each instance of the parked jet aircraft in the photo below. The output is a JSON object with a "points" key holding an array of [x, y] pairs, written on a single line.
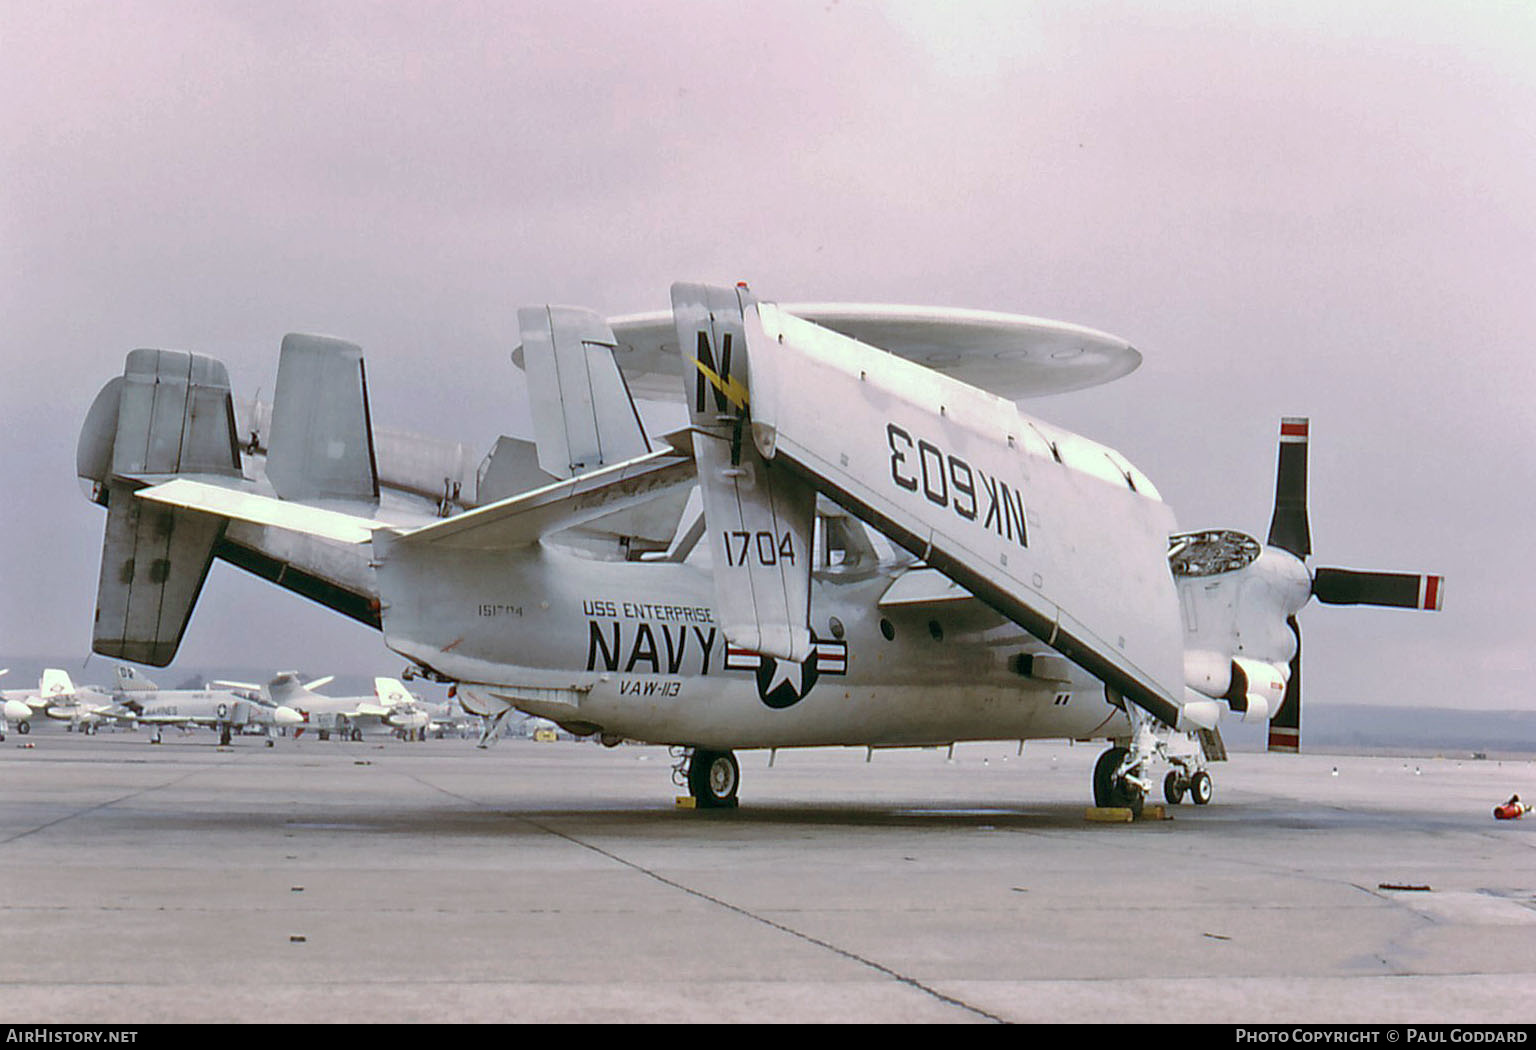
{"points": [[896, 554], [220, 709], [301, 707], [17, 707], [85, 708], [411, 717]]}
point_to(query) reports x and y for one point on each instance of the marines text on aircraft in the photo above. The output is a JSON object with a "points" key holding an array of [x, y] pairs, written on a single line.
{"points": [[896, 554], [220, 709]]}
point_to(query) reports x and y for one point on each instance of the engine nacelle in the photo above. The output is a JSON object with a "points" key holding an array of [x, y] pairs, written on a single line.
{"points": [[1257, 687], [1237, 599]]}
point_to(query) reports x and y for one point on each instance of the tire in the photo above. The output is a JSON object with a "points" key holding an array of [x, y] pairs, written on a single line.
{"points": [[713, 779], [24, 728], [1104, 786], [1173, 787], [1201, 788]]}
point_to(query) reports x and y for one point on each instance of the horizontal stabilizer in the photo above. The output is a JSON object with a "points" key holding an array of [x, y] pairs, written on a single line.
{"points": [[1397, 590], [229, 502], [321, 445], [522, 520]]}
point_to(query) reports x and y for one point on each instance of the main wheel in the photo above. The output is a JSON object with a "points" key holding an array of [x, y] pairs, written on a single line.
{"points": [[1111, 791], [713, 779], [1200, 788], [24, 728], [1107, 791]]}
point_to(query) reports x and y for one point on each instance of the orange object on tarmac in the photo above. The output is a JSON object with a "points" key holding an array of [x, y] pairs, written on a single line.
{"points": [[1514, 809]]}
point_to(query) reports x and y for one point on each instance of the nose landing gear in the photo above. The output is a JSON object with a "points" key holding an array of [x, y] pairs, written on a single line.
{"points": [[1120, 778]]}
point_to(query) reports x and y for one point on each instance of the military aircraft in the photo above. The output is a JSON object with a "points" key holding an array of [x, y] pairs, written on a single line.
{"points": [[301, 707], [411, 717], [84, 708], [896, 554], [16, 706], [220, 709]]}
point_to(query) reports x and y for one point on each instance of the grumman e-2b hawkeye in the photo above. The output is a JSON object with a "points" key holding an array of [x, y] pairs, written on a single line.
{"points": [[896, 555]]}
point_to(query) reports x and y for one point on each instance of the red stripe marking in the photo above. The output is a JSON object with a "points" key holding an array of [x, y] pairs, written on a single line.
{"points": [[1293, 430], [1431, 592], [1284, 739]]}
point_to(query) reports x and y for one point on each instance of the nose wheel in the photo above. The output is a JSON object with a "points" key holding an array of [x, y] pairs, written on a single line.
{"points": [[1198, 786]]}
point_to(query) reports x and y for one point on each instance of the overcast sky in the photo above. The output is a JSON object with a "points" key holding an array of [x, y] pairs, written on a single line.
{"points": [[1289, 208]]}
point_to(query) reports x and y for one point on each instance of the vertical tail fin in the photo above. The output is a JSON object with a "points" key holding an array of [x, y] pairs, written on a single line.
{"points": [[389, 692], [55, 684], [130, 681], [321, 446], [583, 415], [170, 413]]}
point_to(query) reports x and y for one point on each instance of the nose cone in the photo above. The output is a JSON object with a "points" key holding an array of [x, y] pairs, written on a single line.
{"points": [[17, 711], [287, 716]]}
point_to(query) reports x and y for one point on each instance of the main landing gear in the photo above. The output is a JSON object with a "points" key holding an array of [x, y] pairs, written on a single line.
{"points": [[711, 777]]}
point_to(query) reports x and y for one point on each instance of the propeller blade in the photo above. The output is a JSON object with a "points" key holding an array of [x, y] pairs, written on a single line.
{"points": [[1397, 590], [1288, 528], [1285, 726]]}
